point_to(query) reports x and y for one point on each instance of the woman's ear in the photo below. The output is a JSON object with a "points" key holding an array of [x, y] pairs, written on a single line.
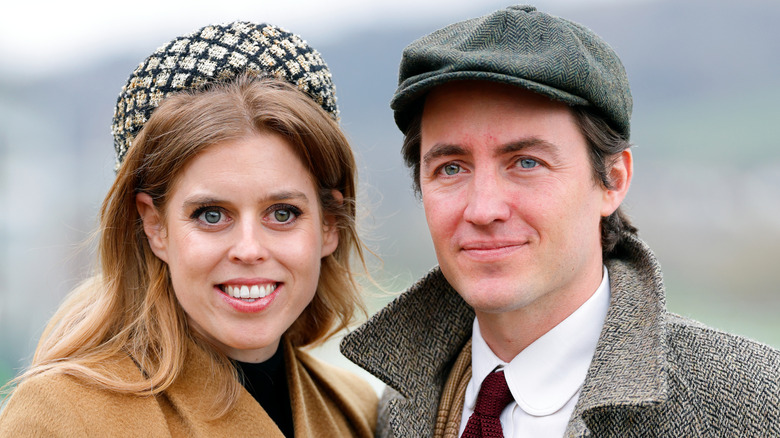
{"points": [[619, 175], [153, 225], [330, 230]]}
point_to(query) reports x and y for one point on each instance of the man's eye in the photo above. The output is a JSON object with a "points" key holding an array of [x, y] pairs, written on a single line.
{"points": [[211, 216], [451, 169], [528, 163]]}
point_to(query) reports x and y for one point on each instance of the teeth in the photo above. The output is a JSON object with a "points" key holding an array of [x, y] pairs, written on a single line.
{"points": [[250, 293]]}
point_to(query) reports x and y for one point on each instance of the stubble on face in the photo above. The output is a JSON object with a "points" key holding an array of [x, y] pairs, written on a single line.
{"points": [[511, 205]]}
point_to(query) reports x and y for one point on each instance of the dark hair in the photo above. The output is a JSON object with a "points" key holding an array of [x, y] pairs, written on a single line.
{"points": [[604, 145]]}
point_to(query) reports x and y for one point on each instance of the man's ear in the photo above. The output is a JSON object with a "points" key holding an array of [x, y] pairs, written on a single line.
{"points": [[619, 175], [330, 229], [153, 225]]}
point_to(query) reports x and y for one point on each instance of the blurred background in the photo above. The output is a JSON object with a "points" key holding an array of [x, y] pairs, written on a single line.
{"points": [[704, 74]]}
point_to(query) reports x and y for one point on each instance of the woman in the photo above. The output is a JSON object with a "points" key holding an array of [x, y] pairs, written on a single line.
{"points": [[224, 248]]}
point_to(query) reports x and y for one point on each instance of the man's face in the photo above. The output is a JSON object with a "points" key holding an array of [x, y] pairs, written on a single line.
{"points": [[510, 198]]}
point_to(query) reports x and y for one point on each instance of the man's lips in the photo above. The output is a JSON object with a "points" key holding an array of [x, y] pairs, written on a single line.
{"points": [[491, 246], [490, 251]]}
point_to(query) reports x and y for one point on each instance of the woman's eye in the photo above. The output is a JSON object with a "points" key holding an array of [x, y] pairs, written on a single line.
{"points": [[282, 215], [451, 169], [285, 214], [528, 163], [211, 216]]}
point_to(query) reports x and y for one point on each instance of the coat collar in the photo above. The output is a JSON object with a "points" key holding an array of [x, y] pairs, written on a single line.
{"points": [[422, 332], [411, 343], [324, 400], [186, 398], [630, 365]]}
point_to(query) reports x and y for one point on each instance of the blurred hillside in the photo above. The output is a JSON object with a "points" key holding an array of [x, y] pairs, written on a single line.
{"points": [[706, 194]]}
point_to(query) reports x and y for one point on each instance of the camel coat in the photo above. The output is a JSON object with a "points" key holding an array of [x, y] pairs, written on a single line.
{"points": [[326, 401]]}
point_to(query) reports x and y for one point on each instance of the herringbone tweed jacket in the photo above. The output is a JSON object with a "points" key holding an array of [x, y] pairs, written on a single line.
{"points": [[653, 373]]}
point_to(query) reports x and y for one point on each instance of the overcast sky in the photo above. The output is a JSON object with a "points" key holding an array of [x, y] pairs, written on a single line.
{"points": [[37, 37]]}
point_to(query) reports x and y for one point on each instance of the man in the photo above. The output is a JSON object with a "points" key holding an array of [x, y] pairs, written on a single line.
{"points": [[545, 304]]}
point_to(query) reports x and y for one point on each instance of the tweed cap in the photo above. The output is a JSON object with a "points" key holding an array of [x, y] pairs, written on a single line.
{"points": [[218, 53], [524, 47]]}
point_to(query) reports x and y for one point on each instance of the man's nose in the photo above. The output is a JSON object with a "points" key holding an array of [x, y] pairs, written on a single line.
{"points": [[486, 201], [248, 245]]}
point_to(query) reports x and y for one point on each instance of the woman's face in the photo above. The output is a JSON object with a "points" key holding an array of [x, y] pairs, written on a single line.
{"points": [[243, 237]]}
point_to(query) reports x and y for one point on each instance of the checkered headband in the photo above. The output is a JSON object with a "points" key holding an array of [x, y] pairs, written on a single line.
{"points": [[218, 53]]}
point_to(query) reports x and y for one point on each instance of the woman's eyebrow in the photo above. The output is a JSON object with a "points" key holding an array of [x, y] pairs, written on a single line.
{"points": [[284, 195]]}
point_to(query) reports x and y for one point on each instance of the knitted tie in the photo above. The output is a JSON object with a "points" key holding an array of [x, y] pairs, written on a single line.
{"points": [[493, 397]]}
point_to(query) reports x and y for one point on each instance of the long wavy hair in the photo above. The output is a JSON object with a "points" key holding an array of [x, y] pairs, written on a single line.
{"points": [[129, 307]]}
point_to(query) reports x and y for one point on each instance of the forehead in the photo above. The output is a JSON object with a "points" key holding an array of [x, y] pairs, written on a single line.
{"points": [[481, 111], [261, 162]]}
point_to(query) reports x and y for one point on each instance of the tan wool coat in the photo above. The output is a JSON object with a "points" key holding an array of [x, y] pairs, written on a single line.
{"points": [[326, 401]]}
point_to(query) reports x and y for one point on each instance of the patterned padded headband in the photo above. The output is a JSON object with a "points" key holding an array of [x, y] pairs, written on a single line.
{"points": [[218, 53]]}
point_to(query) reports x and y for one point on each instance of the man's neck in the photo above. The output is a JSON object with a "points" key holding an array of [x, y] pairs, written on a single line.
{"points": [[509, 333]]}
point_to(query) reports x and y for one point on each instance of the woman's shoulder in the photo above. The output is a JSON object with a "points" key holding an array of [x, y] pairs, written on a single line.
{"points": [[45, 405], [57, 404]]}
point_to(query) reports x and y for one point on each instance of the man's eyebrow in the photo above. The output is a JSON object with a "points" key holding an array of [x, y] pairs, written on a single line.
{"points": [[442, 150], [529, 143], [446, 149]]}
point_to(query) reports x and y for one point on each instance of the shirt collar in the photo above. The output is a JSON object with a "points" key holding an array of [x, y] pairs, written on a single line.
{"points": [[550, 371]]}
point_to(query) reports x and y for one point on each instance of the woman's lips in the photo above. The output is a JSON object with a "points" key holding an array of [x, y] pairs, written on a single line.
{"points": [[247, 297], [248, 291]]}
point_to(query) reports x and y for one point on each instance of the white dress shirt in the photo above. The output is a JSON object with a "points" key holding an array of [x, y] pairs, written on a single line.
{"points": [[546, 377]]}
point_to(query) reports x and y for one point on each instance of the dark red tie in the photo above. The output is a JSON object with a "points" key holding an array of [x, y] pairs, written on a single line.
{"points": [[493, 397]]}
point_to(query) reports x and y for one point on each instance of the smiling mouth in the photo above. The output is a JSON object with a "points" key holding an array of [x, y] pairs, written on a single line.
{"points": [[490, 251], [248, 293], [491, 246]]}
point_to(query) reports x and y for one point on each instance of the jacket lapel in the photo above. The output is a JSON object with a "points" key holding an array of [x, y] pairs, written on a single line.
{"points": [[187, 398], [325, 400], [432, 323], [629, 367]]}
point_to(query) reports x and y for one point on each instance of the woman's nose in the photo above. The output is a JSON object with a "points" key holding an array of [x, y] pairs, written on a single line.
{"points": [[248, 246]]}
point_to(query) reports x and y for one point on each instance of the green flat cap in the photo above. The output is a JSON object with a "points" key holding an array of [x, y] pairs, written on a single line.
{"points": [[524, 47]]}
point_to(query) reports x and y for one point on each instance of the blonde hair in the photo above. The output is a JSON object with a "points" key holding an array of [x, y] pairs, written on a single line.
{"points": [[130, 307]]}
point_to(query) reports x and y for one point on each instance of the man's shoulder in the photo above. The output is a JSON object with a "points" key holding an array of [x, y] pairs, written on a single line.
{"points": [[691, 341], [733, 378]]}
